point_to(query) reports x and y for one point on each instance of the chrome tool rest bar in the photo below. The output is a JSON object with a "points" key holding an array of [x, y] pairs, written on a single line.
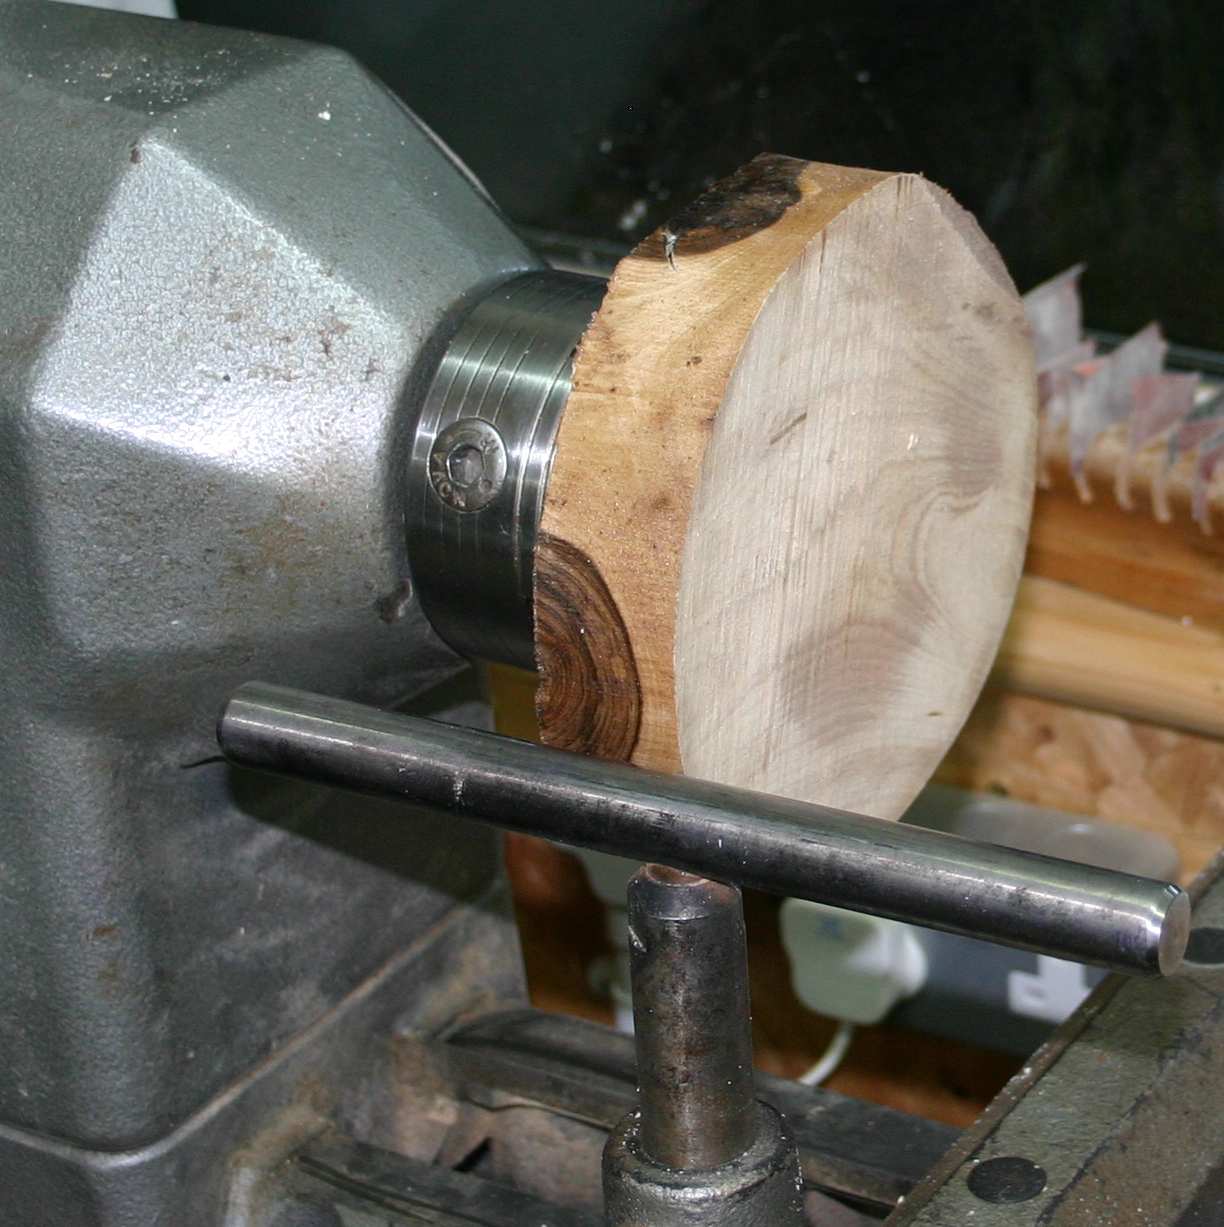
{"points": [[1072, 911]]}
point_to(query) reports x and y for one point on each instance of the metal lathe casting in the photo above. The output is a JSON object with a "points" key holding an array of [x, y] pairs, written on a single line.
{"points": [[255, 320]]}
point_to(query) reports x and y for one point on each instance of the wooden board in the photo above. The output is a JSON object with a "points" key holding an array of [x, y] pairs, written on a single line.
{"points": [[792, 484], [1168, 566], [1075, 646]]}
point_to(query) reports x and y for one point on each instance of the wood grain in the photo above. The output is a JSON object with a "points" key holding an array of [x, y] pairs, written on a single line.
{"points": [[1078, 647], [583, 648], [857, 532], [798, 457], [648, 378]]}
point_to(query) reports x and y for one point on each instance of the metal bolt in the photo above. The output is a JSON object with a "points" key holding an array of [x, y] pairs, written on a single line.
{"points": [[467, 464]]}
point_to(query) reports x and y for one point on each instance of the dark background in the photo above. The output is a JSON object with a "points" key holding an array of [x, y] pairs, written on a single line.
{"points": [[1084, 130]]}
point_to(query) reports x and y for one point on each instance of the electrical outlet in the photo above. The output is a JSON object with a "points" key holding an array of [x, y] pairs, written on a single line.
{"points": [[847, 965]]}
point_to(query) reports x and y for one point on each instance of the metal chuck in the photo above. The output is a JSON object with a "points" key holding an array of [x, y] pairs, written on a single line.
{"points": [[701, 1149]]}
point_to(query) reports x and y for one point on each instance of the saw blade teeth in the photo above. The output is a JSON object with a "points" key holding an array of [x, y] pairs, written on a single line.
{"points": [[1082, 395]]}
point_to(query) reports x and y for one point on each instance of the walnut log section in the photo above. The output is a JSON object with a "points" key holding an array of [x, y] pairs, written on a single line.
{"points": [[788, 507]]}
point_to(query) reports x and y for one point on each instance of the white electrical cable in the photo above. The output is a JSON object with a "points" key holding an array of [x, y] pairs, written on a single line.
{"points": [[832, 1057]]}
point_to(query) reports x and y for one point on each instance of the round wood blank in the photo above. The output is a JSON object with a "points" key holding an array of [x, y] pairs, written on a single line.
{"points": [[787, 515]]}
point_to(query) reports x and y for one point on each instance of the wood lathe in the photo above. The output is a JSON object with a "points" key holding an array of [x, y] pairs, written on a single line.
{"points": [[293, 426]]}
